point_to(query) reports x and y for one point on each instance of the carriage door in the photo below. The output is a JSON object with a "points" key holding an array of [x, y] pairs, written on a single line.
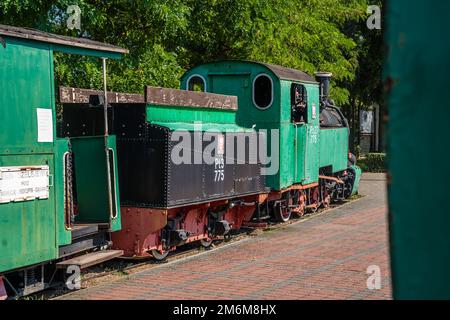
{"points": [[312, 146], [305, 121]]}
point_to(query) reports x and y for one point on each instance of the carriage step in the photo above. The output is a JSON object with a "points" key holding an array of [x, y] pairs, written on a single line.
{"points": [[82, 230], [90, 259]]}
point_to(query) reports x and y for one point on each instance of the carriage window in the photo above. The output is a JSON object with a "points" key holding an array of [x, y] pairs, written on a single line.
{"points": [[196, 83], [299, 103], [262, 91]]}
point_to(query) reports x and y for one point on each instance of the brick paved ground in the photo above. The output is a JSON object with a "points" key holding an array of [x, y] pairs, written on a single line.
{"points": [[325, 257]]}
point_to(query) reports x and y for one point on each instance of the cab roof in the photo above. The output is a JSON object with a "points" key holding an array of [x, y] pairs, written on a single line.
{"points": [[64, 41], [280, 72], [284, 73]]}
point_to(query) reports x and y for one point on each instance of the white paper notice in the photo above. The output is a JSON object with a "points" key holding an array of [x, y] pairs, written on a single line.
{"points": [[45, 125]]}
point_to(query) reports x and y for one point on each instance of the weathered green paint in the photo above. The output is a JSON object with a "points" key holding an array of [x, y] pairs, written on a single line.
{"points": [[211, 127], [300, 149], [191, 119], [236, 78], [61, 148], [417, 71], [301, 139], [91, 180], [26, 84], [357, 170], [334, 148], [115, 224], [189, 115], [85, 52], [27, 228]]}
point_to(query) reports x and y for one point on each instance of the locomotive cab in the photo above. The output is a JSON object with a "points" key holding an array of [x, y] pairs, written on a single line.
{"points": [[307, 136], [281, 101]]}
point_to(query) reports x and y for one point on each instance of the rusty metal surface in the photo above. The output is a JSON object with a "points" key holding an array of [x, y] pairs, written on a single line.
{"points": [[37, 35], [183, 98], [140, 230], [84, 96]]}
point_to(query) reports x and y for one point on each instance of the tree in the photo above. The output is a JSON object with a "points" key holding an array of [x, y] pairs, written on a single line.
{"points": [[149, 29], [302, 34], [365, 88], [165, 37]]}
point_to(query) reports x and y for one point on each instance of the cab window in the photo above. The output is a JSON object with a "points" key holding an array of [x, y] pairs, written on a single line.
{"points": [[196, 83], [299, 103], [262, 91]]}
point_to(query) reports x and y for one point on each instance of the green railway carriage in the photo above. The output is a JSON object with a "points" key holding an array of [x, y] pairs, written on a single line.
{"points": [[306, 147], [37, 178]]}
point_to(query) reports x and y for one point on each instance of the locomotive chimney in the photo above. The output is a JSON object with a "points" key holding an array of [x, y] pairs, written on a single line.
{"points": [[324, 79]]}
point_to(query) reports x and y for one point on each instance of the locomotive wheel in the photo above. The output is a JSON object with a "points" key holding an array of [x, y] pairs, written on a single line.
{"points": [[282, 210], [158, 255], [348, 189], [206, 243], [349, 183], [315, 199], [299, 211], [227, 237], [326, 198], [282, 214]]}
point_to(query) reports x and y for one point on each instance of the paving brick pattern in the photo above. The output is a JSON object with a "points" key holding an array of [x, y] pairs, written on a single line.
{"points": [[324, 257]]}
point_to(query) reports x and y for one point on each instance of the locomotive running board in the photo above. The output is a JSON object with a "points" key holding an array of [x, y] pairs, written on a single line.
{"points": [[331, 179], [90, 259]]}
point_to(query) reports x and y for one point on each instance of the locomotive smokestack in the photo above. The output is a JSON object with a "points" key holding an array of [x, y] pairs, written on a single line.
{"points": [[324, 79]]}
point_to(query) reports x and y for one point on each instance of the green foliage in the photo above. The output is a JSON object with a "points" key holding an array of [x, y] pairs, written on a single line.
{"points": [[156, 67], [357, 151], [78, 71], [25, 13], [373, 162], [165, 37], [149, 29], [302, 34], [365, 87]]}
